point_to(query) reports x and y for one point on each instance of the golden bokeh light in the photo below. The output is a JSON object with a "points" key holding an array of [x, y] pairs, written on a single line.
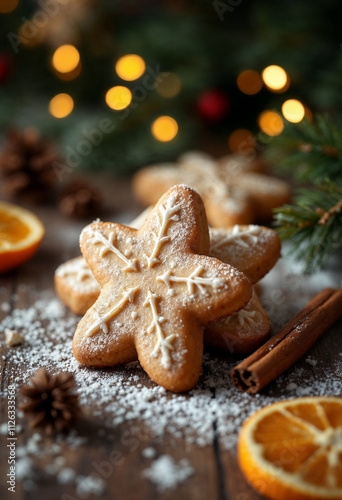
{"points": [[241, 141], [271, 123], [61, 105], [249, 82], [118, 97], [7, 6], [164, 128], [293, 110], [275, 78], [169, 86], [130, 67], [65, 59]]}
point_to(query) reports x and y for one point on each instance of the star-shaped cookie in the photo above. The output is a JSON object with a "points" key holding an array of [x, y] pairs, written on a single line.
{"points": [[158, 290], [232, 191]]}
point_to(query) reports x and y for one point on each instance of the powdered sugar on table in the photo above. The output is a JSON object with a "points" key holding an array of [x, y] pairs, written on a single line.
{"points": [[126, 395]]}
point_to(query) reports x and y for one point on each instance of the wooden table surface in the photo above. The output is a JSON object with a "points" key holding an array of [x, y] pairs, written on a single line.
{"points": [[216, 474]]}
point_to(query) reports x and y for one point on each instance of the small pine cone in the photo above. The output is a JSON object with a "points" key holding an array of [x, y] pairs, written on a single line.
{"points": [[26, 165], [80, 200], [50, 404]]}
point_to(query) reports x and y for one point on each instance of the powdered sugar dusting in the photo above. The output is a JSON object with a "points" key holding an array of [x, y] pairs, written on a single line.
{"points": [[166, 474], [126, 395]]}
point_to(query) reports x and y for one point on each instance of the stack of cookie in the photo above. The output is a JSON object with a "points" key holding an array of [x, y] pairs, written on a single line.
{"points": [[156, 292]]}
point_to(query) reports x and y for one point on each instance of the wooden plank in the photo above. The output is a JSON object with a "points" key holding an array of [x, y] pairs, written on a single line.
{"points": [[116, 452]]}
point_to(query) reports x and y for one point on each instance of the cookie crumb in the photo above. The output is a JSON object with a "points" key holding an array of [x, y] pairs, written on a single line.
{"points": [[13, 338]]}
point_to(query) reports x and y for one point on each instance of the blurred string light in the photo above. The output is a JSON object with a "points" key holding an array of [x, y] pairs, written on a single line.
{"points": [[164, 128], [249, 82], [61, 105], [118, 97], [170, 85], [276, 78], [66, 59], [130, 67], [293, 110], [241, 141], [271, 123], [7, 6]]}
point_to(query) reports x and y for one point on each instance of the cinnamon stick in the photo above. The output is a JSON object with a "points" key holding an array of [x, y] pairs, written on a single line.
{"points": [[290, 343]]}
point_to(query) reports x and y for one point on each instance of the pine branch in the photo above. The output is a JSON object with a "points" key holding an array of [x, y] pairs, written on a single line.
{"points": [[314, 224], [309, 151]]}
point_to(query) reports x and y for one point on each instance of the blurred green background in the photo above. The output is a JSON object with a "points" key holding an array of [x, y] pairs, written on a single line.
{"points": [[141, 81]]}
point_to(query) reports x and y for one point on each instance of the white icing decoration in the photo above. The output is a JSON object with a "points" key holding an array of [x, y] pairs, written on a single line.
{"points": [[134, 314], [101, 322], [245, 315], [238, 237], [78, 267], [108, 246], [163, 344], [167, 214], [194, 280]]}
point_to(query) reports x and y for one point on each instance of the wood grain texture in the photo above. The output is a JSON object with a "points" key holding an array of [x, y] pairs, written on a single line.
{"points": [[117, 453]]}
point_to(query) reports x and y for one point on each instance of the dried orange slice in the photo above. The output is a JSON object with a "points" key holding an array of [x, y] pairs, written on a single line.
{"points": [[292, 450], [20, 234]]}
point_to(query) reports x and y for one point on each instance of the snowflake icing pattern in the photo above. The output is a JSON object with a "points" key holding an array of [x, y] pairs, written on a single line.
{"points": [[150, 291]]}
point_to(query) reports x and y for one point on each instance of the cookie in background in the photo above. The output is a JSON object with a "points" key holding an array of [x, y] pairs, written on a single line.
{"points": [[234, 188]]}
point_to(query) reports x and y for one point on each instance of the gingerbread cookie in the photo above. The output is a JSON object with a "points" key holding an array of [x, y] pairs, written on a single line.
{"points": [[252, 249], [239, 173], [232, 193], [225, 205], [243, 332], [158, 289]]}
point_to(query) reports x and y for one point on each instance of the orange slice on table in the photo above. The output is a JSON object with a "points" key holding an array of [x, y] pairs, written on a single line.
{"points": [[292, 450], [20, 235]]}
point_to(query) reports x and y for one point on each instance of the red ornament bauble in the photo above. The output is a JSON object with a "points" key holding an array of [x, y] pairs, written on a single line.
{"points": [[213, 105], [6, 67]]}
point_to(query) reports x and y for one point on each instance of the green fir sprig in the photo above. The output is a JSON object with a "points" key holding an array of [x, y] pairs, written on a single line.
{"points": [[311, 153], [313, 224]]}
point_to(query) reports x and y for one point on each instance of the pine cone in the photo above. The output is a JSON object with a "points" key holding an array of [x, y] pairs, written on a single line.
{"points": [[79, 199], [26, 165], [50, 403]]}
